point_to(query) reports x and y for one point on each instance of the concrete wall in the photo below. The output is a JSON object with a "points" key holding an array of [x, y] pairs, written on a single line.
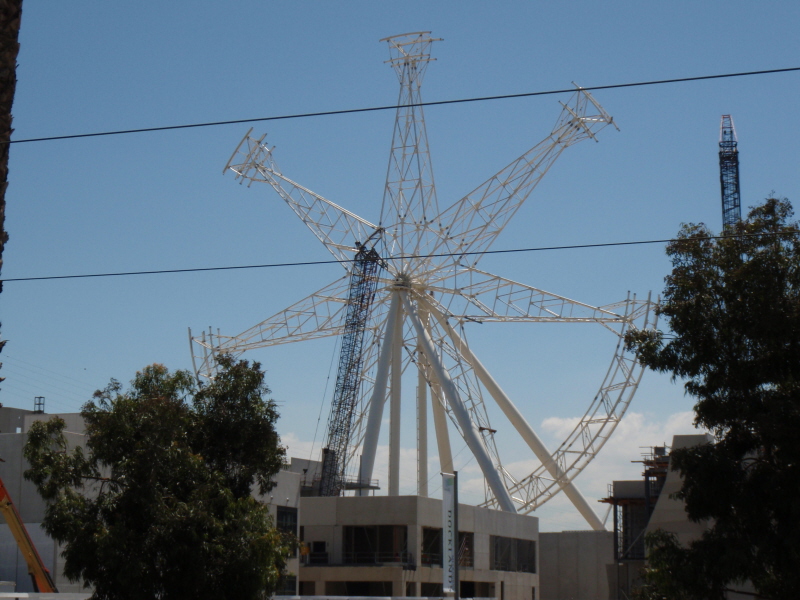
{"points": [[670, 514], [574, 565], [73, 421], [309, 469], [31, 507], [12, 419]]}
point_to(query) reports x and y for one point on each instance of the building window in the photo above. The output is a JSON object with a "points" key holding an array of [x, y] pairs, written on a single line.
{"points": [[286, 519], [431, 590], [634, 521], [432, 547], [476, 589], [358, 588], [286, 523], [287, 586], [376, 544], [315, 553], [466, 549], [511, 554], [308, 588]]}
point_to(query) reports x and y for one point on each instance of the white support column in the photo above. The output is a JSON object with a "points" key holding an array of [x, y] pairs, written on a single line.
{"points": [[376, 402], [422, 418], [520, 424], [440, 425], [470, 431], [394, 405]]}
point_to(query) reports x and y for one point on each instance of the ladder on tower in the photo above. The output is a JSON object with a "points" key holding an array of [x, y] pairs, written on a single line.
{"points": [[364, 279], [729, 173]]}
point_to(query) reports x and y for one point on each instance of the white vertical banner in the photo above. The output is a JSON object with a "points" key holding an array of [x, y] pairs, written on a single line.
{"points": [[449, 535]]}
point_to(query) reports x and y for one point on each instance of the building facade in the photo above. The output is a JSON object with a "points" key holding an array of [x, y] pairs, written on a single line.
{"points": [[392, 546]]}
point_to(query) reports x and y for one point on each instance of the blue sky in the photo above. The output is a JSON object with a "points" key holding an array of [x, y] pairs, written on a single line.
{"points": [[159, 200]]}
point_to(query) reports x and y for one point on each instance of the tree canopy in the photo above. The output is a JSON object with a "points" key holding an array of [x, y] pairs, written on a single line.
{"points": [[157, 503], [733, 308]]}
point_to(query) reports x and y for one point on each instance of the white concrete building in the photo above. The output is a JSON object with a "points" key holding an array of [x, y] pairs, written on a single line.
{"points": [[392, 546]]}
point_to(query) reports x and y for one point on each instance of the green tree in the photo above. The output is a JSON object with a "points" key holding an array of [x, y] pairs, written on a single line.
{"points": [[157, 504], [733, 308]]}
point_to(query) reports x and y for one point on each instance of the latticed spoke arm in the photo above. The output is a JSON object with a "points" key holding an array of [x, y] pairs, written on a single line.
{"points": [[337, 228], [319, 315], [592, 431], [473, 223], [489, 298]]}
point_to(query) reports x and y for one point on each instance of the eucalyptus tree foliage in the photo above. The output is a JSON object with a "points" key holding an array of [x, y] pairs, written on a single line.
{"points": [[733, 309], [157, 502]]}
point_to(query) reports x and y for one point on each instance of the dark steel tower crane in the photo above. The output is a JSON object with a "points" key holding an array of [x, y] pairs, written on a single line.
{"points": [[729, 173], [363, 285]]}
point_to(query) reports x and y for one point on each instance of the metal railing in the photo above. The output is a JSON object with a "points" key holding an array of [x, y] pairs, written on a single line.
{"points": [[377, 558], [314, 558], [359, 558], [434, 559]]}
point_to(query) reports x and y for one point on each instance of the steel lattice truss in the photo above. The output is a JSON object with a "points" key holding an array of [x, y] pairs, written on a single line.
{"points": [[729, 172], [430, 289], [363, 282]]}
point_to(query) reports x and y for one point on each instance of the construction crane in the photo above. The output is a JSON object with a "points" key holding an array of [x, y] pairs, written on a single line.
{"points": [[729, 173], [363, 284], [42, 581]]}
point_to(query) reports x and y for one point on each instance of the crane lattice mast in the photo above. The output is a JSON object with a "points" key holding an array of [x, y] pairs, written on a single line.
{"points": [[363, 285], [729, 173]]}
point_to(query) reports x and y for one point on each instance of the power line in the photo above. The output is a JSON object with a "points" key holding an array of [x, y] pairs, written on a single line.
{"points": [[347, 111], [392, 258]]}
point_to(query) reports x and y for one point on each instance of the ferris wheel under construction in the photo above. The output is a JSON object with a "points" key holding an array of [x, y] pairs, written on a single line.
{"points": [[411, 285]]}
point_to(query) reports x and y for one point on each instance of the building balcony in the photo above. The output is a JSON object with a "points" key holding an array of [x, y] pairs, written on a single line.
{"points": [[366, 559]]}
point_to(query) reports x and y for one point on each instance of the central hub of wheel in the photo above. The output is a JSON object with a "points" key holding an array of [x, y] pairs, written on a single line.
{"points": [[403, 281]]}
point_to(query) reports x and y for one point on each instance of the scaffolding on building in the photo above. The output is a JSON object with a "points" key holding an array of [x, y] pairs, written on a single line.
{"points": [[632, 504]]}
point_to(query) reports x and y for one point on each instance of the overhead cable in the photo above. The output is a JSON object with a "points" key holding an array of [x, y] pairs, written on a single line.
{"points": [[347, 111], [399, 257]]}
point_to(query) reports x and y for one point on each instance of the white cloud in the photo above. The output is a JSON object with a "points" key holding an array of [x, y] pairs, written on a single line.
{"points": [[299, 448], [634, 435]]}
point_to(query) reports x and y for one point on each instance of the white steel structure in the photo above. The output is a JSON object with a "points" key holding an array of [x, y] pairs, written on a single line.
{"points": [[431, 287]]}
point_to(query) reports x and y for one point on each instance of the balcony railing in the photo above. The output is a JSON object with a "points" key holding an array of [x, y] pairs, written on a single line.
{"points": [[434, 559], [314, 558], [377, 558], [359, 558]]}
